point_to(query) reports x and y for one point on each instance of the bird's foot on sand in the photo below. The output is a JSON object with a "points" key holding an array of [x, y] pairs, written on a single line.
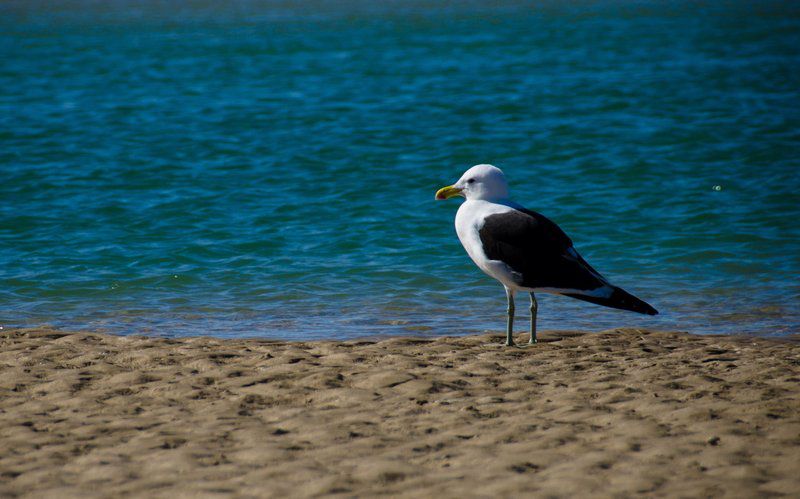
{"points": [[530, 343]]}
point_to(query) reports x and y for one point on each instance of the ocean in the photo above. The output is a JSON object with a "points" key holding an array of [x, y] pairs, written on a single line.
{"points": [[267, 169]]}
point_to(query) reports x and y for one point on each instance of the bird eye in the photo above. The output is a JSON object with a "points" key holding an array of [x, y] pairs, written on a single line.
{"points": [[471, 181]]}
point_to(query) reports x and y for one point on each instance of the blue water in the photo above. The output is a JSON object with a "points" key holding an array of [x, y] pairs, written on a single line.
{"points": [[268, 168]]}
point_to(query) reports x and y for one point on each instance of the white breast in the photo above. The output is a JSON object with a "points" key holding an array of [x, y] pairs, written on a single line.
{"points": [[469, 220]]}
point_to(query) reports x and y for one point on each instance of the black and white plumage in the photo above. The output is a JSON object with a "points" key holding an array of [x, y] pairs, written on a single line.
{"points": [[524, 250]]}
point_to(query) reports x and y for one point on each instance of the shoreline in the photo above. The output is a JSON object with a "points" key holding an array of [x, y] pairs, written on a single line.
{"points": [[619, 412]]}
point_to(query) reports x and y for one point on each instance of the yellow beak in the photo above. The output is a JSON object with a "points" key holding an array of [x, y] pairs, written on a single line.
{"points": [[448, 192]]}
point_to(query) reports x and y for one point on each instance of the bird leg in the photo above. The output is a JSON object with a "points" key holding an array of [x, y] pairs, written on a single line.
{"points": [[510, 325], [534, 309]]}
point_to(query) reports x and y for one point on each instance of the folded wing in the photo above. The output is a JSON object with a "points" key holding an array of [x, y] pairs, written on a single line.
{"points": [[541, 256]]}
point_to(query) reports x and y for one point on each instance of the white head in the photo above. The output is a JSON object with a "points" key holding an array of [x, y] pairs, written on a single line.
{"points": [[484, 182]]}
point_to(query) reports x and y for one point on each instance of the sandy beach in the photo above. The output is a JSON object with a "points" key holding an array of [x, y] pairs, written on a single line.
{"points": [[616, 413]]}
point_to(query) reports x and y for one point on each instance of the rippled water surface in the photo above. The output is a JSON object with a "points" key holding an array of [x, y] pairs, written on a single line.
{"points": [[268, 169]]}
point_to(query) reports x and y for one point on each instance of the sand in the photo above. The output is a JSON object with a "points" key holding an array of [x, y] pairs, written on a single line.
{"points": [[618, 413]]}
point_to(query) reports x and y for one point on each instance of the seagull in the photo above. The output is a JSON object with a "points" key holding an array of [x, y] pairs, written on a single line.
{"points": [[524, 250]]}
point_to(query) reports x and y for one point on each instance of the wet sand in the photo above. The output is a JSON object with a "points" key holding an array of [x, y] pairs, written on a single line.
{"points": [[617, 413]]}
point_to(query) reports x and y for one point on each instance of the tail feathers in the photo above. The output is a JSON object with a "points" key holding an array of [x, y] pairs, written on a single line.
{"points": [[619, 298]]}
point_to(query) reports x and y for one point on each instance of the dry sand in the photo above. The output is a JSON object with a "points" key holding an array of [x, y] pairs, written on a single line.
{"points": [[619, 413]]}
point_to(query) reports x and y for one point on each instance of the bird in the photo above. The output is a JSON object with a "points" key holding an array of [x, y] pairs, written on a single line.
{"points": [[524, 250]]}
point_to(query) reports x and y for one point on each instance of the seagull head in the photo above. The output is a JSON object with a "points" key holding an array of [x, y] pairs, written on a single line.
{"points": [[484, 182]]}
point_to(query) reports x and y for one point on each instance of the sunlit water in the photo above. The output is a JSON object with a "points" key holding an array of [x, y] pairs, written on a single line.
{"points": [[268, 169]]}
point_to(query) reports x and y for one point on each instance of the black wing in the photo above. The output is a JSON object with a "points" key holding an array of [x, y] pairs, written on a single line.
{"points": [[538, 251]]}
